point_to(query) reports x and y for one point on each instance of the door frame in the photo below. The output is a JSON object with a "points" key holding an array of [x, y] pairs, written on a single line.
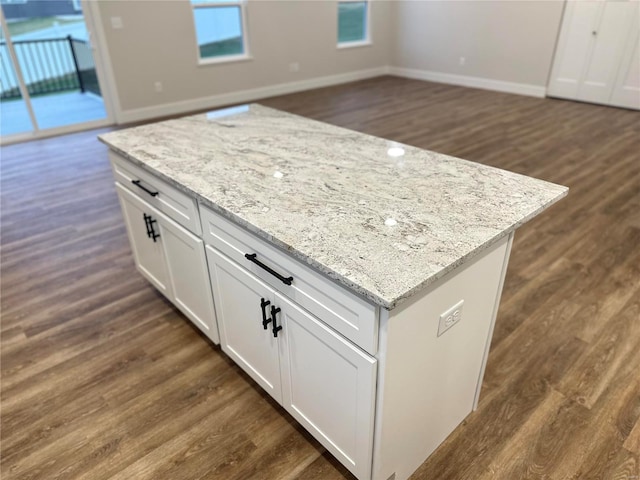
{"points": [[104, 69], [105, 79], [13, 63]]}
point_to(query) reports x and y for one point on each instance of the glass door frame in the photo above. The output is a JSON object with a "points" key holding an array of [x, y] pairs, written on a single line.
{"points": [[24, 91], [101, 72]]}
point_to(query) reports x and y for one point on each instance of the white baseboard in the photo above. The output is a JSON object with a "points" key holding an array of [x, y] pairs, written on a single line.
{"points": [[213, 101], [138, 114], [467, 81]]}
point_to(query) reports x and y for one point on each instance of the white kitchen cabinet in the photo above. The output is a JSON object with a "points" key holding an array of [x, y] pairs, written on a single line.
{"points": [[190, 284], [378, 351], [324, 381], [165, 198], [172, 259], [148, 253], [352, 317], [594, 59], [328, 386], [241, 301]]}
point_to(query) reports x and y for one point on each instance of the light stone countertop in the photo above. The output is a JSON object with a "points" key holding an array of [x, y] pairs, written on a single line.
{"points": [[384, 219]]}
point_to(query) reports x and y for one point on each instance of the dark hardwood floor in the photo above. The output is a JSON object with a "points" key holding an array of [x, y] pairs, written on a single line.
{"points": [[104, 379]]}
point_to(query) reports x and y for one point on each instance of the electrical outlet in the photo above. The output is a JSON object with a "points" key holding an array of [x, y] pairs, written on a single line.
{"points": [[116, 23], [462, 61], [158, 87], [294, 67], [449, 318]]}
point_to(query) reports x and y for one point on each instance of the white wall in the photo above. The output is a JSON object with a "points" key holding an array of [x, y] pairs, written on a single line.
{"points": [[508, 45], [158, 43]]}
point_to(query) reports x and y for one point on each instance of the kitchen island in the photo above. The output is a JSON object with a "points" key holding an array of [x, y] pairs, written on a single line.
{"points": [[355, 279]]}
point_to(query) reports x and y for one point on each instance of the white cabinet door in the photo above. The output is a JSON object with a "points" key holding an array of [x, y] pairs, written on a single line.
{"points": [[328, 385], [189, 275], [172, 259], [147, 253], [239, 299], [324, 381]]}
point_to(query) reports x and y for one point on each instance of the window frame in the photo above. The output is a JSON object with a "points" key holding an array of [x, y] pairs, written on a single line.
{"points": [[242, 4], [367, 41]]}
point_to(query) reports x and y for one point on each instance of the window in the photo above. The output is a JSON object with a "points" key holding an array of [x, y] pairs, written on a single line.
{"points": [[353, 20], [220, 29]]}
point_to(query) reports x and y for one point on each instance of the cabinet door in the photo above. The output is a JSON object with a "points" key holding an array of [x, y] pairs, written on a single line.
{"points": [[147, 253], [189, 275], [239, 295], [328, 385]]}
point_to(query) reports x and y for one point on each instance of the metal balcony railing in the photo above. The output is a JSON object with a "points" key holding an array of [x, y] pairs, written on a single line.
{"points": [[48, 66]]}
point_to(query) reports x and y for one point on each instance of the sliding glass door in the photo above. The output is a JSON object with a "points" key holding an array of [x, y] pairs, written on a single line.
{"points": [[48, 68], [15, 117]]}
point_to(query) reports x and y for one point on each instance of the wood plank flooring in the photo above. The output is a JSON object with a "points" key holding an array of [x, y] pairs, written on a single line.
{"points": [[104, 379]]}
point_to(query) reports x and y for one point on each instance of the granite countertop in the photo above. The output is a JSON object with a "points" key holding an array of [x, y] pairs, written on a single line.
{"points": [[381, 218]]}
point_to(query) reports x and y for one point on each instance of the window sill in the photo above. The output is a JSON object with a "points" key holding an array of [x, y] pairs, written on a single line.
{"points": [[360, 43], [202, 62]]}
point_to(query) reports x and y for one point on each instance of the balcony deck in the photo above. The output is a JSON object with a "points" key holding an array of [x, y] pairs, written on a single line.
{"points": [[55, 110]]}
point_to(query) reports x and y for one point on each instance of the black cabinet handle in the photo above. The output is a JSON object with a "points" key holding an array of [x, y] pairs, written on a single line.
{"points": [[154, 235], [276, 328], [252, 258], [147, 223], [265, 321], [138, 184], [151, 233]]}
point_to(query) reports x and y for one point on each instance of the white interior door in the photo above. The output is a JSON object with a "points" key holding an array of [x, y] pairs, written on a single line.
{"points": [[626, 91], [574, 48], [596, 58], [611, 32]]}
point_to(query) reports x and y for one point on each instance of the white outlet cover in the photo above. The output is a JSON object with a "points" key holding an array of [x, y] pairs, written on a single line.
{"points": [[449, 318], [116, 23]]}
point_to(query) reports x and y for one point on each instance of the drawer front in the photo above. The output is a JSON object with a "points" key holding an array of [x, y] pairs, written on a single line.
{"points": [[178, 205], [343, 311]]}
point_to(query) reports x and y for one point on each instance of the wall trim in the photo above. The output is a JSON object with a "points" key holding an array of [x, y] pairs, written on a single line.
{"points": [[214, 101], [186, 106], [468, 81]]}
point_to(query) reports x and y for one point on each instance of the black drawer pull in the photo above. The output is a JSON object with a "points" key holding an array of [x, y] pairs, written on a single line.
{"points": [[265, 321], [138, 184], [252, 258], [276, 328]]}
